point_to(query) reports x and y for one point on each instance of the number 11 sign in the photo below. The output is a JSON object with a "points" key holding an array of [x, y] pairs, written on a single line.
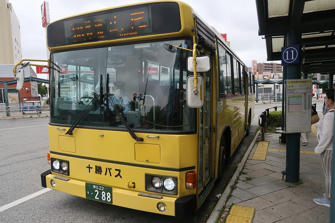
{"points": [[290, 55]]}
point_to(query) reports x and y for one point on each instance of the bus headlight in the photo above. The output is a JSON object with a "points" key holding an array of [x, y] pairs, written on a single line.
{"points": [[161, 184], [60, 166], [169, 184], [157, 182], [64, 166], [55, 164]]}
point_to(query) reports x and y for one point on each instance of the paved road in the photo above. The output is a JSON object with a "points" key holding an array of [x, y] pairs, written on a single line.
{"points": [[23, 149]]}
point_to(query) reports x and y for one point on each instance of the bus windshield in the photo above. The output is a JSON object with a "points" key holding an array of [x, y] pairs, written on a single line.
{"points": [[142, 85]]}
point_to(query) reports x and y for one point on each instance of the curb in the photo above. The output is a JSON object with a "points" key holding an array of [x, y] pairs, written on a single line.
{"points": [[225, 195], [28, 116]]}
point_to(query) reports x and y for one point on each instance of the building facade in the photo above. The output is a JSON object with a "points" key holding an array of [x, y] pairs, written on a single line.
{"points": [[269, 68], [29, 90], [10, 38]]}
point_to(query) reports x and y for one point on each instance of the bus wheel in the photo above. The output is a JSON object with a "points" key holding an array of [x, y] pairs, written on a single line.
{"points": [[224, 155]]}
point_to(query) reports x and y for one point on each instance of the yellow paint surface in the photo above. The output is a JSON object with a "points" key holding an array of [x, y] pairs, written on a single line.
{"points": [[148, 153], [240, 214], [237, 219], [261, 150], [284, 150]]}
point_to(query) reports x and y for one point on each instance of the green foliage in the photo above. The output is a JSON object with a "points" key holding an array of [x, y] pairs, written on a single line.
{"points": [[324, 87], [274, 119], [42, 90]]}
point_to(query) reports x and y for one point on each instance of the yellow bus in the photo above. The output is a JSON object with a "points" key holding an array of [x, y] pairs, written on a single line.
{"points": [[148, 103]]}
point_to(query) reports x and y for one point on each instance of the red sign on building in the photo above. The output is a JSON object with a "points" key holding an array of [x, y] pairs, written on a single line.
{"points": [[42, 70]]}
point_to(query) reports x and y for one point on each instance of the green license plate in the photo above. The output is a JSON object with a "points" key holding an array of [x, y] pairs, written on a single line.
{"points": [[99, 193]]}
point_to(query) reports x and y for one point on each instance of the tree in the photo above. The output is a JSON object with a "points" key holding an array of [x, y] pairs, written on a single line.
{"points": [[42, 90]]}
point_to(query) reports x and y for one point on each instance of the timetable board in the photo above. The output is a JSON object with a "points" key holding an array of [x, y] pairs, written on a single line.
{"points": [[298, 95]]}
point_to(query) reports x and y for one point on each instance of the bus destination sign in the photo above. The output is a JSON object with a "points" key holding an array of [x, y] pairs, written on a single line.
{"points": [[118, 24]]}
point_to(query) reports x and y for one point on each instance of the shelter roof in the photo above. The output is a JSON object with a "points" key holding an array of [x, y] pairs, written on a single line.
{"points": [[314, 19]]}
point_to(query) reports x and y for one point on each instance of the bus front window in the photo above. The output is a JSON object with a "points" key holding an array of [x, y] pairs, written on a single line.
{"points": [[142, 85]]}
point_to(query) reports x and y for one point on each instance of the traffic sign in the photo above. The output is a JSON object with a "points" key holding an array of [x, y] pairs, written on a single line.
{"points": [[290, 55]]}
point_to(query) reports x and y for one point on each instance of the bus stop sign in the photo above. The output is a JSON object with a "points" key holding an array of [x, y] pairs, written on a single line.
{"points": [[290, 55]]}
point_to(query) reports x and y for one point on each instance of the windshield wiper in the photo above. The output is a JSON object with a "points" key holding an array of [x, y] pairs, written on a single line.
{"points": [[75, 123], [130, 130]]}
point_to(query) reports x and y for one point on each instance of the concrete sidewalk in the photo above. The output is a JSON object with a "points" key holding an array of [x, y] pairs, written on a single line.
{"points": [[261, 188]]}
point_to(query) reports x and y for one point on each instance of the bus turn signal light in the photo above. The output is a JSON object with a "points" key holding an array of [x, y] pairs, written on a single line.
{"points": [[48, 157], [191, 180]]}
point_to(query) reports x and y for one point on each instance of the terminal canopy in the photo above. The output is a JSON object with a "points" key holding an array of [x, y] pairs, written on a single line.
{"points": [[314, 19]]}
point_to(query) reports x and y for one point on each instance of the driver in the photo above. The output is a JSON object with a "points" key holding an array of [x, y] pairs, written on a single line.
{"points": [[115, 100]]}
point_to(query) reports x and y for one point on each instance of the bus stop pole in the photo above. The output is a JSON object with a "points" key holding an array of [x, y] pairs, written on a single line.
{"points": [[292, 139], [283, 135], [6, 99], [332, 191], [274, 92], [256, 92]]}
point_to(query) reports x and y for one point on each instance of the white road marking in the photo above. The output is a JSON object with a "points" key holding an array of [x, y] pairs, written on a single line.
{"points": [[24, 127], [24, 199]]}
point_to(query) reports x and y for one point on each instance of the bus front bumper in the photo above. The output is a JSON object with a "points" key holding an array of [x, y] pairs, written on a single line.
{"points": [[178, 207]]}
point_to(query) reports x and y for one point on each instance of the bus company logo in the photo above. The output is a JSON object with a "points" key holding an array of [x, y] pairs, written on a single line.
{"points": [[106, 171]]}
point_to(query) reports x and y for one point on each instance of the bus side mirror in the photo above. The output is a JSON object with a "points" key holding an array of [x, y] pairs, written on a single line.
{"points": [[203, 64], [194, 97], [20, 78]]}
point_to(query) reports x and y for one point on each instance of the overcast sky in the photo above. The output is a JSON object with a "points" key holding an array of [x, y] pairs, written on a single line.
{"points": [[237, 18]]}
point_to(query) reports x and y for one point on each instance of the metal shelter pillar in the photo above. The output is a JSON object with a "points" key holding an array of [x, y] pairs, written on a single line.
{"points": [[332, 191], [292, 139], [283, 121], [256, 92], [6, 98], [330, 82]]}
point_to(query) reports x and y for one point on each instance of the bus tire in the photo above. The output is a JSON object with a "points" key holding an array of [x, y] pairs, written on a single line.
{"points": [[224, 153]]}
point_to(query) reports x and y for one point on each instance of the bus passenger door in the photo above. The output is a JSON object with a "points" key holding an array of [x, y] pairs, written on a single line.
{"points": [[205, 142]]}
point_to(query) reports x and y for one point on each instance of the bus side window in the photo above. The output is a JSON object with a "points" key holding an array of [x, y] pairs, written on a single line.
{"points": [[237, 80], [228, 78], [223, 72], [249, 86], [253, 84], [241, 74]]}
